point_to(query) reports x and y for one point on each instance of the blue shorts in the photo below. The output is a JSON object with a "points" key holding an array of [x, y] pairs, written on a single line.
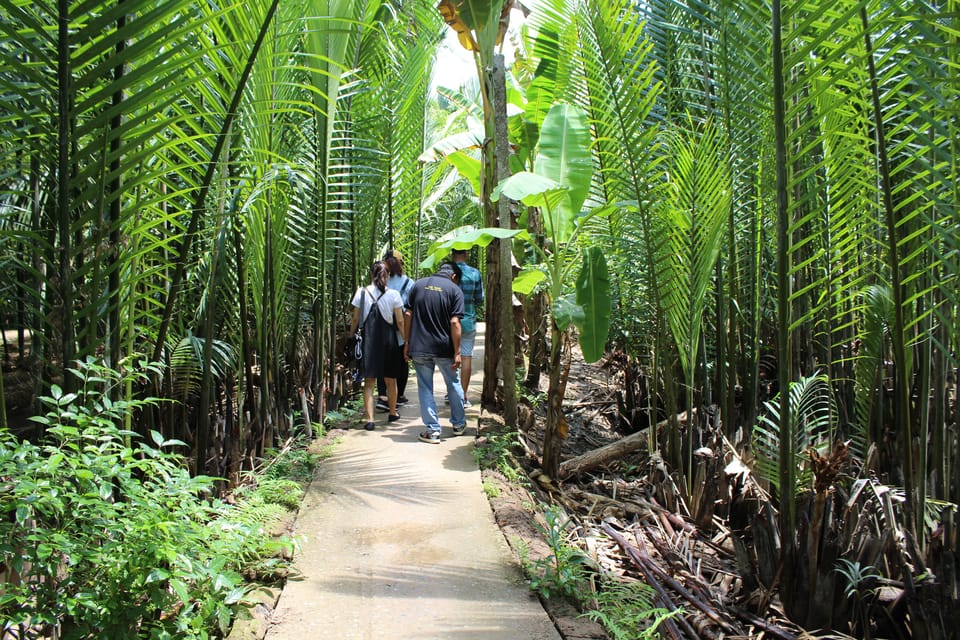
{"points": [[466, 342]]}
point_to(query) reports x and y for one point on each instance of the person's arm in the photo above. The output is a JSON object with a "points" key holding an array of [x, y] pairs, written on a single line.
{"points": [[456, 333], [398, 321], [355, 321], [407, 317]]}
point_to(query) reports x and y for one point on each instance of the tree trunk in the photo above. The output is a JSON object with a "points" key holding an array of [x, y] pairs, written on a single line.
{"points": [[555, 431], [508, 362], [536, 313]]}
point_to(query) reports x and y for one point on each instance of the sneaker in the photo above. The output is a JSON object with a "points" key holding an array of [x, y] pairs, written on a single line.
{"points": [[402, 400], [382, 405], [467, 404], [430, 437], [370, 426], [458, 429]]}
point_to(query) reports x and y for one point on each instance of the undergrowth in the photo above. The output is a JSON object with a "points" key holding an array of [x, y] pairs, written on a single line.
{"points": [[627, 612], [105, 535]]}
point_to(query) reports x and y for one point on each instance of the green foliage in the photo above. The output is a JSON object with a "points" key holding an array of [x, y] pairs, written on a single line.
{"points": [[111, 540], [345, 414], [497, 453], [859, 587], [856, 577], [626, 610], [317, 429], [296, 464], [564, 571], [490, 489], [282, 491], [814, 414], [466, 237], [593, 296]]}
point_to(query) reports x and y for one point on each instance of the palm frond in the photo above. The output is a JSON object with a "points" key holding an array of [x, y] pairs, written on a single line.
{"points": [[814, 420]]}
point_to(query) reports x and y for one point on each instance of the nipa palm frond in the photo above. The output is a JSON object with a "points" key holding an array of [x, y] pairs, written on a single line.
{"points": [[814, 416]]}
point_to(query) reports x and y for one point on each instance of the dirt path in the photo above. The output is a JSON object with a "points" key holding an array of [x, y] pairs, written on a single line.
{"points": [[398, 541]]}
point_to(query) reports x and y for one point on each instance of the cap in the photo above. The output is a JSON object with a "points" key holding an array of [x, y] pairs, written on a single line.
{"points": [[393, 253]]}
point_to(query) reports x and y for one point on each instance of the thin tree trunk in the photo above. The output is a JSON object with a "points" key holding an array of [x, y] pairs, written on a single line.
{"points": [[555, 430], [508, 362], [903, 422], [784, 342], [246, 368], [536, 313], [496, 296], [64, 89], [206, 379], [113, 286]]}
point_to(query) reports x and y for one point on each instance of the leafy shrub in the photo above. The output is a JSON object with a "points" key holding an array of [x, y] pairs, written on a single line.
{"points": [[282, 491], [295, 463], [111, 540], [497, 453], [565, 570]]}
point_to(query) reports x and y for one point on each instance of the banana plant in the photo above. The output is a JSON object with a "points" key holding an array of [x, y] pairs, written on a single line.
{"points": [[558, 186]]}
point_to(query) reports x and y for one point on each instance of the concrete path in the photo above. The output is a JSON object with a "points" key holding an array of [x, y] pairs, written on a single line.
{"points": [[400, 544]]}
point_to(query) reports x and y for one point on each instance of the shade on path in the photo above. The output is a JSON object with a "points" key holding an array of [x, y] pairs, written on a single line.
{"points": [[398, 542]]}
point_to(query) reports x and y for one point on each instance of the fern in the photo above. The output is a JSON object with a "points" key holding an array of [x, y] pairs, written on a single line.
{"points": [[626, 611]]}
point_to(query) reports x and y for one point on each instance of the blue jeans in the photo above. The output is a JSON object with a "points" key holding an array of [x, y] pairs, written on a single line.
{"points": [[424, 366]]}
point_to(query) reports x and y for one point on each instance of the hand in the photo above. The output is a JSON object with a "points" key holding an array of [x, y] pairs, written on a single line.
{"points": [[406, 352], [456, 361]]}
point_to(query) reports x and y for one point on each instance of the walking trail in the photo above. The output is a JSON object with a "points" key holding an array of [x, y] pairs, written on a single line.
{"points": [[398, 541]]}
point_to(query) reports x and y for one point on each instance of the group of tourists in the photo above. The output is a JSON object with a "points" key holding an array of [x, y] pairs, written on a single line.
{"points": [[431, 322]]}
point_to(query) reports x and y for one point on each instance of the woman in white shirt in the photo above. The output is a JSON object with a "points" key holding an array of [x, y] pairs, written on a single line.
{"points": [[378, 312]]}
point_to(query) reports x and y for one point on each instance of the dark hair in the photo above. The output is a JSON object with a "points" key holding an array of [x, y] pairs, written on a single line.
{"points": [[450, 268], [379, 275], [460, 252], [394, 262]]}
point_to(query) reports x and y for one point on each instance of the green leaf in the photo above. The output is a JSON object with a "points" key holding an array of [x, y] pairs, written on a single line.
{"points": [[527, 280], [181, 589], [567, 312], [527, 187], [477, 14], [466, 238], [467, 166], [564, 152], [593, 295]]}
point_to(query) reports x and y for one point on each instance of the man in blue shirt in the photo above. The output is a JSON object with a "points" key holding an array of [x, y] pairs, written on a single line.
{"points": [[471, 284]]}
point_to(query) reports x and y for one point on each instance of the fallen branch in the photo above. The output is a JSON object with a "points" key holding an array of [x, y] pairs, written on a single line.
{"points": [[613, 451]]}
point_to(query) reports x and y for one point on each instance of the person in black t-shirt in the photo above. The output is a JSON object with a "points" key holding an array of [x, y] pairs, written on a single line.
{"points": [[432, 340]]}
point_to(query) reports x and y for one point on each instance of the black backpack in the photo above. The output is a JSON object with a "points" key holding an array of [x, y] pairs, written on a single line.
{"points": [[379, 339]]}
